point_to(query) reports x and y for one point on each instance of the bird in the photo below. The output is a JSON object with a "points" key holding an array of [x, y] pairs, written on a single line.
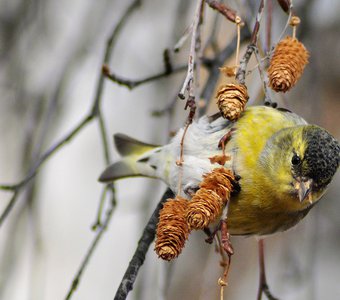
{"points": [[283, 165]]}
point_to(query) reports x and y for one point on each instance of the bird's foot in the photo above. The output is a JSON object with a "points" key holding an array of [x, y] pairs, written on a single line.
{"points": [[225, 237]]}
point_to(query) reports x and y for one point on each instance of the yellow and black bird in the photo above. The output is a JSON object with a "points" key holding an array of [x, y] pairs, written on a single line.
{"points": [[284, 165]]}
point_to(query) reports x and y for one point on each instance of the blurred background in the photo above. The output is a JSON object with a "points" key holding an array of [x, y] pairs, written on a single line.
{"points": [[51, 54]]}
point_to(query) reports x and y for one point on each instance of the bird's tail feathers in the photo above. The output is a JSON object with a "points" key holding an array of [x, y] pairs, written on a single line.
{"points": [[134, 161], [128, 146]]}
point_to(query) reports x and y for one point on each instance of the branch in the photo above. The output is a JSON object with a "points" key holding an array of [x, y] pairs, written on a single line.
{"points": [[269, 19], [34, 170], [138, 258], [267, 99], [188, 84], [94, 113], [131, 84], [94, 244], [223, 9], [241, 73], [285, 5], [214, 64], [109, 50]]}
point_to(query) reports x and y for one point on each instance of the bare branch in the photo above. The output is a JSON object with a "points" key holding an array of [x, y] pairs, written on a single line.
{"points": [[109, 50], [131, 84], [241, 73], [290, 14], [94, 113], [138, 258], [269, 17], [34, 170], [94, 244], [267, 99], [213, 66], [285, 5], [183, 38], [222, 8], [188, 84]]}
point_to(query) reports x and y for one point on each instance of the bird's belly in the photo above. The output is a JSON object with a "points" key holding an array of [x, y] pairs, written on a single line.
{"points": [[253, 220]]}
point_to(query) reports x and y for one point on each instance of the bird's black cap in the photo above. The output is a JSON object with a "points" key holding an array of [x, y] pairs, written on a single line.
{"points": [[322, 156]]}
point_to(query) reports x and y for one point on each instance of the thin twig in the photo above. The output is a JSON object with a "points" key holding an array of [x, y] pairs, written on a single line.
{"points": [[47, 154], [98, 222], [288, 20], [131, 84], [138, 258], [269, 17], [103, 134], [223, 9], [9, 206], [286, 5], [241, 73], [188, 84], [183, 38], [96, 111], [213, 67], [109, 50], [212, 42], [96, 107], [94, 244], [34, 170], [267, 99]]}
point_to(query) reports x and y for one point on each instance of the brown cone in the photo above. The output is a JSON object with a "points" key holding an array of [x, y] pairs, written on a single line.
{"points": [[172, 229], [231, 100], [207, 203], [287, 64]]}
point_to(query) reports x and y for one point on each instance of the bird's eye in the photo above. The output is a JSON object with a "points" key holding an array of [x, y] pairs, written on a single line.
{"points": [[296, 160]]}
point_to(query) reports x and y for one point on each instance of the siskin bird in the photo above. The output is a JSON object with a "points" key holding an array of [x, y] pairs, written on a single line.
{"points": [[283, 164]]}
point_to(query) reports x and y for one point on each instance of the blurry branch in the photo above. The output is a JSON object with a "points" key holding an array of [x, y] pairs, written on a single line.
{"points": [[95, 113], [131, 84], [269, 17], [211, 41], [290, 14], [40, 121], [286, 5], [90, 251], [16, 188], [222, 8], [138, 258], [267, 99], [191, 81]]}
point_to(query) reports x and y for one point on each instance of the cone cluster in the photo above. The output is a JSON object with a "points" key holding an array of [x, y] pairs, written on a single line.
{"points": [[231, 100], [179, 216], [172, 228], [287, 64], [208, 202]]}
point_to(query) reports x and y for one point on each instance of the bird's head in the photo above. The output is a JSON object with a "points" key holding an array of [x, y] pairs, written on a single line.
{"points": [[302, 161]]}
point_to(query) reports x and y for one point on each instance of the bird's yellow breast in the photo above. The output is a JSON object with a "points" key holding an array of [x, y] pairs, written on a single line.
{"points": [[262, 206]]}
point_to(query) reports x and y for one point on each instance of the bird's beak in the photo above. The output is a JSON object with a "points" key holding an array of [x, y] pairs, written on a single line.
{"points": [[304, 187]]}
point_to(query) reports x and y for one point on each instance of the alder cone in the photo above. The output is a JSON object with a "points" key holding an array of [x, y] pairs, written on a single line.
{"points": [[287, 64], [208, 202], [172, 229], [231, 100]]}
